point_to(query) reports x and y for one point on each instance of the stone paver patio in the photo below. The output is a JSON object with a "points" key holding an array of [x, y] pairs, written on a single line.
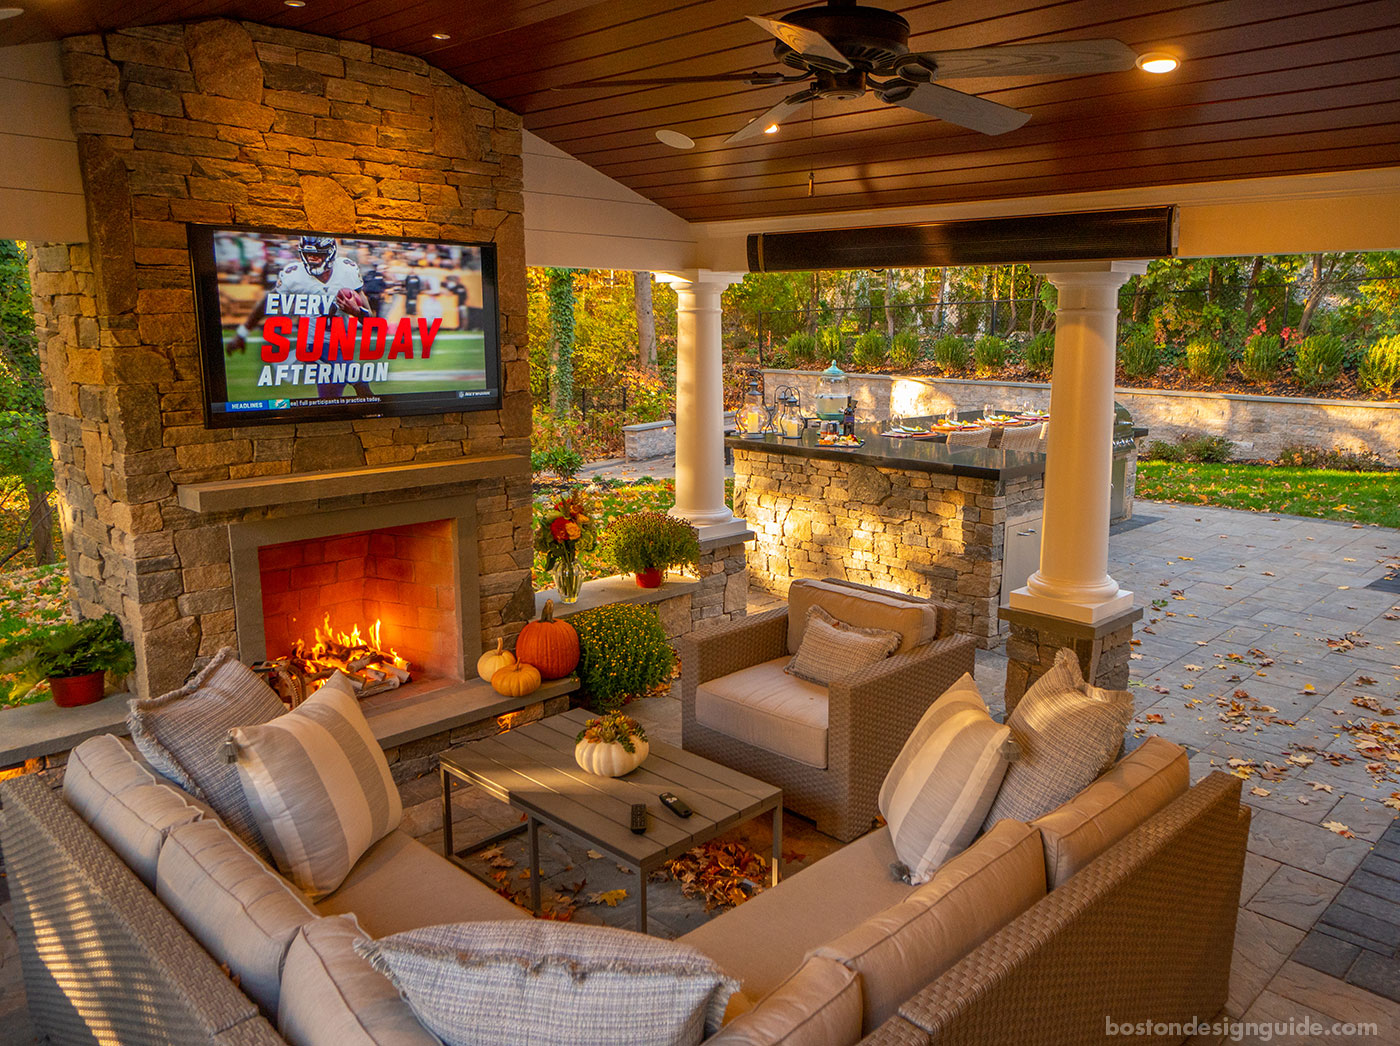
{"points": [[1259, 633]]}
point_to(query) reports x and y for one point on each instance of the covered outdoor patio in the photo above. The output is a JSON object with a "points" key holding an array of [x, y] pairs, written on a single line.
{"points": [[1252, 657]]}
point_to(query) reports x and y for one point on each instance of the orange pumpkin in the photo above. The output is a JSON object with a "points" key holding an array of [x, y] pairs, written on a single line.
{"points": [[516, 680], [549, 645]]}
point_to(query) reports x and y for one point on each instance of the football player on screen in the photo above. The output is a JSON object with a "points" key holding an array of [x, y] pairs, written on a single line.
{"points": [[321, 272]]}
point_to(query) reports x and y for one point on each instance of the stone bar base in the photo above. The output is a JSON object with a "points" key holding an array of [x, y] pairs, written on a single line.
{"points": [[1102, 649]]}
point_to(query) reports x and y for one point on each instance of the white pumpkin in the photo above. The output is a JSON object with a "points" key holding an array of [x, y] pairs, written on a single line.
{"points": [[608, 758]]}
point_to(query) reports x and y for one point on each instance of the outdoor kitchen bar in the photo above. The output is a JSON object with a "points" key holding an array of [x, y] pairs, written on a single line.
{"points": [[956, 524]]}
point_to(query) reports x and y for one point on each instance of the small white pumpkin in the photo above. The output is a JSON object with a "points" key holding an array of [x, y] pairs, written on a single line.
{"points": [[608, 758], [491, 662]]}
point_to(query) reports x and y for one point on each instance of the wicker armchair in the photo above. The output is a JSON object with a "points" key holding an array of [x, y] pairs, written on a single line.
{"points": [[869, 715], [1023, 437]]}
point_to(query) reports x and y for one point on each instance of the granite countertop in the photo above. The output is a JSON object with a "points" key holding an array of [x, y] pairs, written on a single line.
{"points": [[904, 453]]}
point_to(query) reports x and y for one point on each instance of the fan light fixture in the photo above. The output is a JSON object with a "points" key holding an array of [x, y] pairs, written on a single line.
{"points": [[674, 139], [772, 128], [442, 36], [1157, 62], [10, 12]]}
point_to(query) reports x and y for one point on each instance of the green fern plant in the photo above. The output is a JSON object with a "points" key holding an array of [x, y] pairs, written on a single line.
{"points": [[1379, 372]]}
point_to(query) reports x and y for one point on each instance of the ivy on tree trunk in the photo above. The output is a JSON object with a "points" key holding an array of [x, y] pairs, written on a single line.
{"points": [[560, 292]]}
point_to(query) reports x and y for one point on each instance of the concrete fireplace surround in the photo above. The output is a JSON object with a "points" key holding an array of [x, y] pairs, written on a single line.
{"points": [[229, 122]]}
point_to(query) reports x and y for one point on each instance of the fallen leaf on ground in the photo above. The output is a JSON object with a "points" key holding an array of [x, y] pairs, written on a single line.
{"points": [[1259, 791], [1339, 828], [593, 855], [1318, 786], [1153, 717], [608, 897]]}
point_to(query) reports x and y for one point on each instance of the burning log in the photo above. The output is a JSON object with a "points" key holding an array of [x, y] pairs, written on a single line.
{"points": [[370, 667]]}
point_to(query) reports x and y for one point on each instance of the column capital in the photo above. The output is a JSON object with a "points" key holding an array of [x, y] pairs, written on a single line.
{"points": [[694, 277], [1089, 272]]}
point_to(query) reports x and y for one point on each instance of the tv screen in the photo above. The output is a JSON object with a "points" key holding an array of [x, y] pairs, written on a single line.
{"points": [[296, 325]]}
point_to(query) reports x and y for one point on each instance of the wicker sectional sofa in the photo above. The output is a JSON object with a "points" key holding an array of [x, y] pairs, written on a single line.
{"points": [[1119, 905]]}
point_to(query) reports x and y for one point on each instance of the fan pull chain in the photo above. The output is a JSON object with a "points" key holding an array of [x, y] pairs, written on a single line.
{"points": [[811, 136]]}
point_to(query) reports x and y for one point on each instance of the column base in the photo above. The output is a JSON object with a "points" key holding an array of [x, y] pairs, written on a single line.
{"points": [[1035, 639], [702, 519], [1084, 613]]}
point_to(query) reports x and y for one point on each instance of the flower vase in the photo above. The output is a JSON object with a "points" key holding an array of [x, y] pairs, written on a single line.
{"points": [[568, 579]]}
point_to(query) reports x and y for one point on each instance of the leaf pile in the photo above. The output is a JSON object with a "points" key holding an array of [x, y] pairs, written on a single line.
{"points": [[724, 873]]}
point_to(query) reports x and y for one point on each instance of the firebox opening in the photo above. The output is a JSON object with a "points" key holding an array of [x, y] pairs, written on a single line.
{"points": [[399, 577]]}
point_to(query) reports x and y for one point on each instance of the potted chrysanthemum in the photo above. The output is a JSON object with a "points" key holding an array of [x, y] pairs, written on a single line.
{"points": [[648, 544]]}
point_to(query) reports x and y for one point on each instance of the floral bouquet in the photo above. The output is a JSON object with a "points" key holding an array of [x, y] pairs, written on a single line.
{"points": [[566, 528]]}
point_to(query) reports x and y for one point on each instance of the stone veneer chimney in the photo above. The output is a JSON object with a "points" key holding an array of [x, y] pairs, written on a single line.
{"points": [[224, 122]]}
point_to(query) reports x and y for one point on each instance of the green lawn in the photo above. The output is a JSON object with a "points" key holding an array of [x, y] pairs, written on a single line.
{"points": [[1358, 497]]}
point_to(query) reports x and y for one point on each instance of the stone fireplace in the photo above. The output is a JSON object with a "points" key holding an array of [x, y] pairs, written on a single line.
{"points": [[223, 122], [410, 568]]}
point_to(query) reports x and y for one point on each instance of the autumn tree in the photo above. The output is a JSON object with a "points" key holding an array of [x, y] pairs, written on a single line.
{"points": [[26, 468]]}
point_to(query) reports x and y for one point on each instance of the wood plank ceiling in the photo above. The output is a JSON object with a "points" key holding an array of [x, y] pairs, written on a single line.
{"points": [[1265, 88]]}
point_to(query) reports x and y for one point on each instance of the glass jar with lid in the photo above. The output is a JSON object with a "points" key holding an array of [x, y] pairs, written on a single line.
{"points": [[833, 393]]}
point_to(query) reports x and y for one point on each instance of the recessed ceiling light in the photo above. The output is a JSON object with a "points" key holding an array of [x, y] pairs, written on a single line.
{"points": [[772, 128], [674, 139], [10, 12], [1157, 62], [442, 36]]}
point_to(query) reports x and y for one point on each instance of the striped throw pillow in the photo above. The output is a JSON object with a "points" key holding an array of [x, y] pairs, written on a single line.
{"points": [[833, 650], [182, 735], [1069, 733], [938, 791], [319, 787]]}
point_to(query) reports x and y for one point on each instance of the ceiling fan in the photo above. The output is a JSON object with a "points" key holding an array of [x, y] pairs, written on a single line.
{"points": [[844, 50]]}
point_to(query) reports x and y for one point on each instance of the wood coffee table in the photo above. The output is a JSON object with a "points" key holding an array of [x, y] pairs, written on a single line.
{"points": [[532, 768]]}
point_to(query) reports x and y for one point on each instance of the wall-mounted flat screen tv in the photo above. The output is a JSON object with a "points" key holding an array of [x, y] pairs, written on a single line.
{"points": [[297, 325]]}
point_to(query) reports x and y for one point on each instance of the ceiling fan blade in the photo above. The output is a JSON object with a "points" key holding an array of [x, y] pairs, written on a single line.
{"points": [[805, 42], [753, 79], [780, 112], [1052, 58], [944, 103]]}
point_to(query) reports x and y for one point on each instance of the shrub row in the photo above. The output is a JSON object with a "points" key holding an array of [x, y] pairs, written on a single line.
{"points": [[1315, 362]]}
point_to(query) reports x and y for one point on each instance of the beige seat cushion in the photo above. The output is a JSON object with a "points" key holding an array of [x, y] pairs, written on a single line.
{"points": [[765, 706], [916, 622], [399, 884], [901, 949], [333, 997], [767, 937], [1141, 783], [243, 912], [819, 1005], [124, 803]]}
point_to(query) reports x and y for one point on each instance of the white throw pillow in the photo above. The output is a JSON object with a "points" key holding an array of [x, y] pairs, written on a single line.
{"points": [[1069, 733], [319, 787], [939, 789], [547, 983]]}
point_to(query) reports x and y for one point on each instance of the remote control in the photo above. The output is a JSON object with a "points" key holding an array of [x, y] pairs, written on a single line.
{"points": [[676, 804], [639, 818]]}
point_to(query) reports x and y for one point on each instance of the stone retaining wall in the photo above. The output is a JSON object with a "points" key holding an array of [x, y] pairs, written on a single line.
{"points": [[1259, 426], [924, 533]]}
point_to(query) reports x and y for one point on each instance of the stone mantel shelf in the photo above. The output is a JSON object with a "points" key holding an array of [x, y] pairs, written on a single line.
{"points": [[257, 491]]}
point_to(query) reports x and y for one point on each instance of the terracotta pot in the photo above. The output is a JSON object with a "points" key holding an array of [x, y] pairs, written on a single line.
{"points": [[650, 578], [69, 691]]}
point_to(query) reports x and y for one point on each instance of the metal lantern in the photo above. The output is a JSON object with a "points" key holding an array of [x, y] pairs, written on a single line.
{"points": [[790, 420], [751, 416], [833, 393]]}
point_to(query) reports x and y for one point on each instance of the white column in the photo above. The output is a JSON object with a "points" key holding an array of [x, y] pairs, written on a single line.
{"points": [[1073, 582], [700, 402]]}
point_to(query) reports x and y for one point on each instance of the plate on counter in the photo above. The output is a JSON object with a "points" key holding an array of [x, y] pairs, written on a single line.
{"points": [[843, 444], [907, 433], [1033, 417]]}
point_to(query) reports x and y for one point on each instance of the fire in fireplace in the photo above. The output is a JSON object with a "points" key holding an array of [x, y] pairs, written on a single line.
{"points": [[376, 605]]}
